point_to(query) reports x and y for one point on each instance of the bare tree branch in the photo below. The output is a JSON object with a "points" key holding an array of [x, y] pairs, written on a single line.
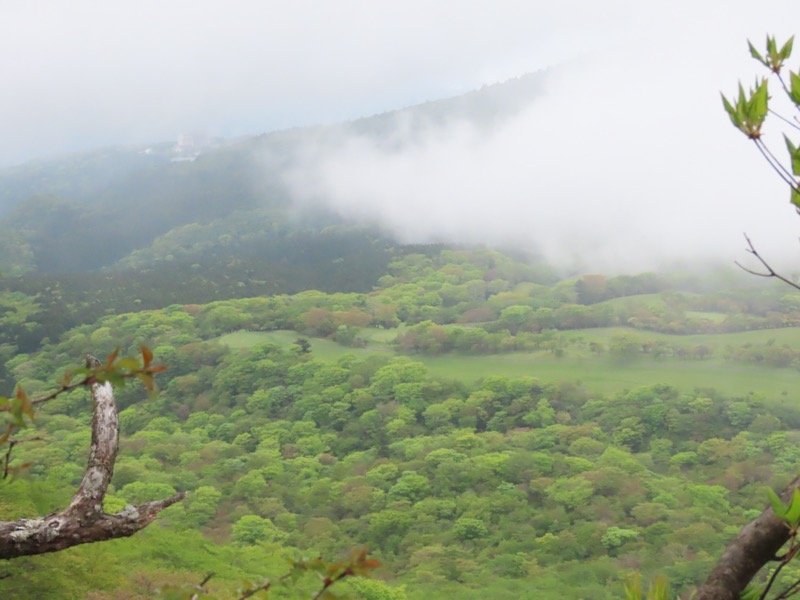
{"points": [[201, 587], [755, 546], [785, 120], [11, 443], [776, 165], [770, 272], [84, 520], [786, 175], [255, 590]]}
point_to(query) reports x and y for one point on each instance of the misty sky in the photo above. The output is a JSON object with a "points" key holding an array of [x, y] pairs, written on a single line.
{"points": [[628, 157]]}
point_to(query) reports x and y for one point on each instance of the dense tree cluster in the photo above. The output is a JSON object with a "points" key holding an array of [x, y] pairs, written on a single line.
{"points": [[502, 487], [457, 489]]}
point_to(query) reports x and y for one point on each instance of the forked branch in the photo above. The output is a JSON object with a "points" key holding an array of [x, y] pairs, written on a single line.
{"points": [[84, 520], [769, 271]]}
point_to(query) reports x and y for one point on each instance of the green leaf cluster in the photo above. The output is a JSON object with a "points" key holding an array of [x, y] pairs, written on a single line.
{"points": [[789, 512], [750, 109], [773, 58], [510, 487], [658, 590], [794, 151]]}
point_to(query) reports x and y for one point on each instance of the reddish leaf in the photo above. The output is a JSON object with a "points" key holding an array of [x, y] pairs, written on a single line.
{"points": [[147, 355], [371, 563], [112, 357], [27, 408]]}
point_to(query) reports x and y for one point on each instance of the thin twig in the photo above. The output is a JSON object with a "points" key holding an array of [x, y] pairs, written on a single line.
{"points": [[790, 554], [772, 579], [329, 582], [790, 591], [786, 171], [785, 120], [64, 388], [786, 89], [11, 444], [254, 591], [770, 271], [776, 166], [201, 586]]}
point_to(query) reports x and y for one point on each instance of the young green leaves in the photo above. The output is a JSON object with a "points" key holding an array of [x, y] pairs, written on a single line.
{"points": [[774, 58], [658, 590], [118, 370], [794, 155], [790, 512], [750, 110], [794, 87], [13, 414]]}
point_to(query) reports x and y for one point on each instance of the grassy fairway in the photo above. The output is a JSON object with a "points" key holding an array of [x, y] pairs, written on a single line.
{"points": [[321, 348], [715, 341], [604, 375], [599, 373]]}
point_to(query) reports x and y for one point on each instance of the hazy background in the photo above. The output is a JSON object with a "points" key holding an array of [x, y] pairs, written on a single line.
{"points": [[627, 160]]}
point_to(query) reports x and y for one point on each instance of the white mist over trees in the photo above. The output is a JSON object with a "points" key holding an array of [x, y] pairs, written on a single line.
{"points": [[620, 164]]}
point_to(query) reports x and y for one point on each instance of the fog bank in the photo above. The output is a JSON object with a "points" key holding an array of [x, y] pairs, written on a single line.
{"points": [[625, 163]]}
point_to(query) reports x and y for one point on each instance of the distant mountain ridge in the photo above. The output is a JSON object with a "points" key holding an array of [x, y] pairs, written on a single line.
{"points": [[91, 210]]}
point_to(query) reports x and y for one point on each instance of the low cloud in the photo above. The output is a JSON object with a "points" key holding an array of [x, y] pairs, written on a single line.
{"points": [[625, 163], [626, 160]]}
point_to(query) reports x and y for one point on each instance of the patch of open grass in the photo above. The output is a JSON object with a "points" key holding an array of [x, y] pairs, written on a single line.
{"points": [[715, 317], [250, 339], [322, 348], [376, 335], [597, 372], [605, 375], [651, 301], [715, 341]]}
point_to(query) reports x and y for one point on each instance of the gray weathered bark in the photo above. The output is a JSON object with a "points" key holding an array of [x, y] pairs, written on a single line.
{"points": [[84, 521], [755, 546]]}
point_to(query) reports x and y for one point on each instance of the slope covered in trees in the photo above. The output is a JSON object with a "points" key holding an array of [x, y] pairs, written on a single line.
{"points": [[511, 487], [59, 215], [304, 412]]}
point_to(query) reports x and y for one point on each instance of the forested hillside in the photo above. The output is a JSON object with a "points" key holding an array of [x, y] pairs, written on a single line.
{"points": [[124, 229], [484, 423], [294, 305], [65, 215], [603, 429]]}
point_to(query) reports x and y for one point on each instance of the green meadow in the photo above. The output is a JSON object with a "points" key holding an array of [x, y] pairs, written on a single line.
{"points": [[715, 341], [597, 372]]}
